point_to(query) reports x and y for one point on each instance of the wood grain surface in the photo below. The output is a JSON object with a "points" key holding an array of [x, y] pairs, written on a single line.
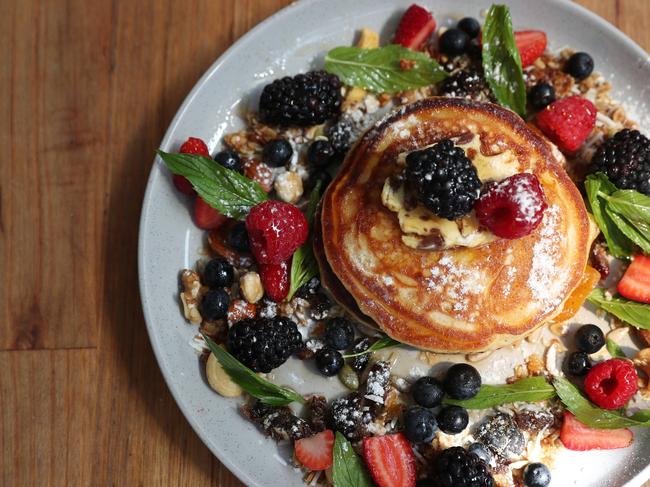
{"points": [[88, 88]]}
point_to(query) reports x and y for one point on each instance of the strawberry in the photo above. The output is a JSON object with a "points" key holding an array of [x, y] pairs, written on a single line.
{"points": [[315, 452], [207, 217], [390, 460], [531, 45], [635, 284], [275, 280], [415, 27], [579, 437], [192, 145], [568, 122]]}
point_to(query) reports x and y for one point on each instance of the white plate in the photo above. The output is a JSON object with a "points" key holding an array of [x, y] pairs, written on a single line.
{"points": [[291, 41]]}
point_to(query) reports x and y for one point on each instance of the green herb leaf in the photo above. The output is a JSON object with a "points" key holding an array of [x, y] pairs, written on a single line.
{"points": [[501, 60], [592, 415], [252, 383], [530, 389], [379, 69], [614, 349], [636, 314], [380, 344], [226, 190], [348, 470], [630, 211], [597, 186]]}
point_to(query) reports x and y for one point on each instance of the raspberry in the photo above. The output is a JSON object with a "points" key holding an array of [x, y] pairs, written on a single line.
{"points": [[611, 384], [275, 280], [568, 122], [275, 231], [512, 208], [190, 146]]}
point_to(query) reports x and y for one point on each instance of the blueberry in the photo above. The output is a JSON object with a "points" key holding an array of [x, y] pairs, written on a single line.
{"points": [[320, 153], [580, 65], [319, 175], [452, 419], [214, 305], [536, 475], [462, 381], [420, 424], [541, 95], [277, 152], [470, 26], [427, 392], [589, 339], [228, 159], [218, 273], [480, 451], [238, 237], [453, 42], [328, 361], [339, 333], [578, 363]]}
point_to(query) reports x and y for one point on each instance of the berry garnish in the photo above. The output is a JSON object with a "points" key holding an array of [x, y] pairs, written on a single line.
{"points": [[578, 363], [462, 381], [611, 384], [390, 460], [214, 304], [445, 180], [329, 361], [456, 466], [275, 280], [207, 217], [218, 273], [625, 159], [541, 95], [183, 184], [192, 145], [339, 333], [580, 65], [427, 392], [480, 451], [579, 437], [536, 475], [277, 152], [315, 452], [415, 27], [259, 172], [320, 153], [263, 344], [452, 419], [237, 237], [512, 208], [589, 338], [229, 159], [470, 26], [568, 122], [453, 42], [275, 231], [420, 424], [463, 84], [635, 284], [531, 45], [303, 100]]}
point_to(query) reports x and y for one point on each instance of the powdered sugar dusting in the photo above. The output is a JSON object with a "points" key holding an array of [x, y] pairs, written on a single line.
{"points": [[546, 257], [458, 282]]}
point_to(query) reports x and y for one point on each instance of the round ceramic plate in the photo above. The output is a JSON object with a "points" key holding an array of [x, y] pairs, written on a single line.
{"points": [[291, 41]]}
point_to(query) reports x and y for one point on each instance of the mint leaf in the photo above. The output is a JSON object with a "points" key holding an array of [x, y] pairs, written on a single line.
{"points": [[252, 383], [636, 314], [630, 211], [227, 191], [379, 69], [614, 349], [380, 344], [501, 60], [530, 389], [347, 469]]}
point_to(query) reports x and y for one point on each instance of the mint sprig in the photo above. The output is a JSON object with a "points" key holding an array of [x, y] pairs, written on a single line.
{"points": [[530, 389], [347, 468], [384, 342], [229, 192], [636, 314]]}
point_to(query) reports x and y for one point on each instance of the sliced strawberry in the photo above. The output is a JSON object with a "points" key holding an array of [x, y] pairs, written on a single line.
{"points": [[579, 437], [635, 284], [275, 280], [183, 185], [390, 460], [192, 145], [207, 217], [531, 45], [415, 27], [315, 452]]}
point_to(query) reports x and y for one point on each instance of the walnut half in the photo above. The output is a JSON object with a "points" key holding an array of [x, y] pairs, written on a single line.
{"points": [[191, 295]]}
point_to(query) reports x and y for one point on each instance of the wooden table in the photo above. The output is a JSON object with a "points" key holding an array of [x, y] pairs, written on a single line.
{"points": [[87, 89]]}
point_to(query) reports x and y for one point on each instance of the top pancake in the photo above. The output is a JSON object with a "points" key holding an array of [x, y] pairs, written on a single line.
{"points": [[464, 299]]}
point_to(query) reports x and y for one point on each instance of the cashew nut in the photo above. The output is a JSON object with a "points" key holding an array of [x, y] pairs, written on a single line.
{"points": [[219, 380]]}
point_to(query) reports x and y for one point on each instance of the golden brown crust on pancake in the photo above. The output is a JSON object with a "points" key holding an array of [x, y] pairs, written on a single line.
{"points": [[459, 300]]}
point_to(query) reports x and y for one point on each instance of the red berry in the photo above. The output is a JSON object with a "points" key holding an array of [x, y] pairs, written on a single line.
{"points": [[390, 460], [183, 185], [531, 45], [275, 231], [207, 217], [260, 172], [512, 208], [315, 452], [275, 280], [196, 146], [611, 384], [635, 284], [415, 27], [568, 122], [579, 437]]}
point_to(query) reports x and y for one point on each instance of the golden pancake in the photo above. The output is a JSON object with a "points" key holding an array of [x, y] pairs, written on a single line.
{"points": [[463, 299]]}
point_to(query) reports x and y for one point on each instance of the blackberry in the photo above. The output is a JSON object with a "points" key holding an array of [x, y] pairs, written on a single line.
{"points": [[463, 84], [625, 159], [456, 466], [320, 153], [444, 179], [264, 344], [303, 100]]}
